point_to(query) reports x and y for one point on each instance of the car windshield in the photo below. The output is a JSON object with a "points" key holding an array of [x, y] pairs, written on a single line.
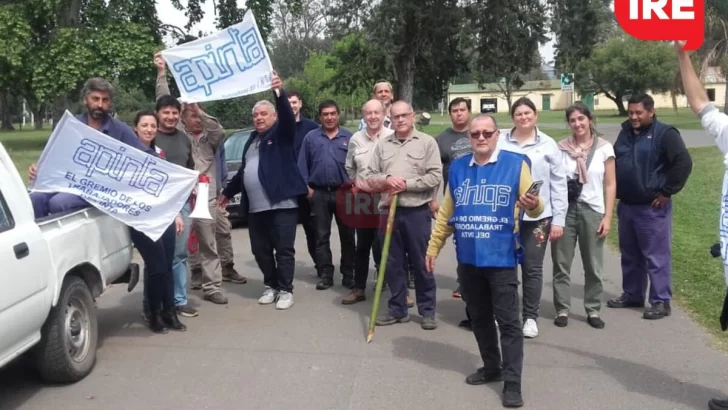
{"points": [[234, 145]]}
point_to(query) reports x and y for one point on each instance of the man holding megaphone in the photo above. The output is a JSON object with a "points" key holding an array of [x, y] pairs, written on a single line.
{"points": [[270, 184]]}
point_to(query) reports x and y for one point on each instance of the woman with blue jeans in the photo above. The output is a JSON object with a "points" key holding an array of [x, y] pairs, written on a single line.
{"points": [[158, 255]]}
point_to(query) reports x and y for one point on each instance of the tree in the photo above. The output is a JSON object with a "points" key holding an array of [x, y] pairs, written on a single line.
{"points": [[624, 66], [405, 37], [578, 26], [507, 34], [15, 36]]}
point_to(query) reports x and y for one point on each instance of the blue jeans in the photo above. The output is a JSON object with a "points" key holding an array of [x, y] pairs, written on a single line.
{"points": [[181, 253], [179, 265]]}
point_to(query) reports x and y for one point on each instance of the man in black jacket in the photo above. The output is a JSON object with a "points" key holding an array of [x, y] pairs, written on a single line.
{"points": [[270, 184], [652, 165]]}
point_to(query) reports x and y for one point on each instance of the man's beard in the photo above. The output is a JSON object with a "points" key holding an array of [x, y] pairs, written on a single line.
{"points": [[97, 114]]}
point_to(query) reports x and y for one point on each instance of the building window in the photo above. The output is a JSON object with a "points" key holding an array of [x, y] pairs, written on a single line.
{"points": [[711, 94]]}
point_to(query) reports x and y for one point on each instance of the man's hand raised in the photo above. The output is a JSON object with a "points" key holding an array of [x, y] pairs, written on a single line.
{"points": [[159, 62], [276, 83]]}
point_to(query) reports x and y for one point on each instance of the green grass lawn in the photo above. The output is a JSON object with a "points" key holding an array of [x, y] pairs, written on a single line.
{"points": [[684, 118], [698, 283]]}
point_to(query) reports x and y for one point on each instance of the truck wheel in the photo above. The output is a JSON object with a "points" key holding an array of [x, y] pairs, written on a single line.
{"points": [[66, 352]]}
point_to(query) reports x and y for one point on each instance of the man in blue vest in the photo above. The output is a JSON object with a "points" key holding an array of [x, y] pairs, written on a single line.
{"points": [[486, 193], [652, 165]]}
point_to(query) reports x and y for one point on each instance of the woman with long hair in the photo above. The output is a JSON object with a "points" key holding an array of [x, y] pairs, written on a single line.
{"points": [[157, 255], [534, 233], [589, 162]]}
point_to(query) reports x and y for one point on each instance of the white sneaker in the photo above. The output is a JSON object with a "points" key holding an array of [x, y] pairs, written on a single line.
{"points": [[530, 329], [285, 300], [269, 296]]}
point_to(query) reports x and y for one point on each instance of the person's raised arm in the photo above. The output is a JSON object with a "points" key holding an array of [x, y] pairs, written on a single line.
{"points": [[286, 118], [694, 91], [162, 87]]}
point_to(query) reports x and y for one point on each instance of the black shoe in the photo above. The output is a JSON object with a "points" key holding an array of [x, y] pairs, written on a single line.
{"points": [[718, 404], [156, 323], [561, 321], [171, 320], [325, 283], [348, 282], [482, 376], [622, 302], [466, 324], [658, 310], [596, 322], [512, 395]]}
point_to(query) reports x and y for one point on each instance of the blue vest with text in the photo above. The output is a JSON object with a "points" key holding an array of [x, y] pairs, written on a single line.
{"points": [[485, 199]]}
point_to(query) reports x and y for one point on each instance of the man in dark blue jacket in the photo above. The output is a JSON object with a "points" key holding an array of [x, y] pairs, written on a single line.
{"points": [[652, 165], [270, 184], [303, 126]]}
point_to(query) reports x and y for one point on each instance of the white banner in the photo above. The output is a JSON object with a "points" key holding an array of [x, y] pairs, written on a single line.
{"points": [[231, 63], [138, 189]]}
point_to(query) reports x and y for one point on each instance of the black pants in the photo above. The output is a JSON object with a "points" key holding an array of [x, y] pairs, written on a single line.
{"points": [[489, 291], [323, 205], [273, 242], [309, 227], [158, 257], [367, 242]]}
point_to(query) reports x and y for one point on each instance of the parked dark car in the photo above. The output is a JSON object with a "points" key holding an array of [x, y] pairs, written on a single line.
{"points": [[234, 144]]}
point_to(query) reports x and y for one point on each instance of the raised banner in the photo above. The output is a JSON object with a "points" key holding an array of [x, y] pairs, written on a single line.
{"points": [[138, 189], [231, 63]]}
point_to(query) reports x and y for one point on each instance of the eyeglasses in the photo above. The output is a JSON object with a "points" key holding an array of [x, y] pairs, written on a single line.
{"points": [[401, 116], [486, 134]]}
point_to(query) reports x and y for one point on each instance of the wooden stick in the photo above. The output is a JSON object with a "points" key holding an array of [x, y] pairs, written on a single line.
{"points": [[382, 267]]}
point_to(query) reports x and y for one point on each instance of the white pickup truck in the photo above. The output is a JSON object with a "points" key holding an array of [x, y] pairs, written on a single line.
{"points": [[51, 271]]}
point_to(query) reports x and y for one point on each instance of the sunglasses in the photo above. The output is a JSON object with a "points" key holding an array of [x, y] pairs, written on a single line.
{"points": [[486, 134]]}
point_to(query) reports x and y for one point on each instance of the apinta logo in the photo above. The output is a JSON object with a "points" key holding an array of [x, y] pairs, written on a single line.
{"points": [[667, 20]]}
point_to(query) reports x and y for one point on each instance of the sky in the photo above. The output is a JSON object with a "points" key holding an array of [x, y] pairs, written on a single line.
{"points": [[169, 15]]}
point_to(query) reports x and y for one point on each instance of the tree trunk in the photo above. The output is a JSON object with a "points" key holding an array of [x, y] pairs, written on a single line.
{"points": [[406, 76], [38, 116], [5, 112], [619, 102]]}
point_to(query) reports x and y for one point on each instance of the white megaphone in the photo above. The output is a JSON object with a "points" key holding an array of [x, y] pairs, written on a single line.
{"points": [[202, 208]]}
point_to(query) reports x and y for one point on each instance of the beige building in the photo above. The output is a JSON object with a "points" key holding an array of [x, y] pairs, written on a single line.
{"points": [[547, 95]]}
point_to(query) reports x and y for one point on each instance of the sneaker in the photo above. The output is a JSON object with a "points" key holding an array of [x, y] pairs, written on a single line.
{"points": [[187, 311], [658, 310], [483, 376], [229, 274], [718, 404], [217, 298], [512, 395], [270, 295], [285, 300], [387, 320], [429, 323], [530, 329]]}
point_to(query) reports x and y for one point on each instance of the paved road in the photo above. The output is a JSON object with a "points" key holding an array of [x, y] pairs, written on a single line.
{"points": [[314, 356]]}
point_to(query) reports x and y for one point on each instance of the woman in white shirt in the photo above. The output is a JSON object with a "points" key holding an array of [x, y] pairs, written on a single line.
{"points": [[589, 161], [546, 166]]}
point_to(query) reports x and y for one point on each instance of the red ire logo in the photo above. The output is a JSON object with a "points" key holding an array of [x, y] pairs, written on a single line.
{"points": [[669, 20]]}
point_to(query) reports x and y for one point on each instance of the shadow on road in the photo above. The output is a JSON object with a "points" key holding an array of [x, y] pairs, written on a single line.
{"points": [[647, 380]]}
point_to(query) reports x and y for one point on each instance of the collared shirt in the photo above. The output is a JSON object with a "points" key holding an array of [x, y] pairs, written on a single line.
{"points": [[416, 159], [322, 159], [547, 166], [361, 148], [204, 146], [119, 130]]}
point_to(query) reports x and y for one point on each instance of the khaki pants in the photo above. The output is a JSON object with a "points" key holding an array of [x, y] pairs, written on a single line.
{"points": [[207, 258], [223, 240], [582, 223]]}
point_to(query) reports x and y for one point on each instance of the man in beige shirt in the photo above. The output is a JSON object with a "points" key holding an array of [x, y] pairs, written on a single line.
{"points": [[361, 148], [407, 163]]}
